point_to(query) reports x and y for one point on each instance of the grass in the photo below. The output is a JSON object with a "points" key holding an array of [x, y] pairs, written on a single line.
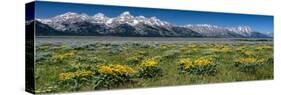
{"points": [[90, 57]]}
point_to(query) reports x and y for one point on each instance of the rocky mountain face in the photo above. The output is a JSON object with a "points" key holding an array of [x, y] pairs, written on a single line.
{"points": [[217, 31], [128, 25]]}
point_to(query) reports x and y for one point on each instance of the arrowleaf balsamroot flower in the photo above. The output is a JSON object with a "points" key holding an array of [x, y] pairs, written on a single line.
{"points": [[205, 60], [186, 62], [152, 62], [115, 69], [79, 73], [247, 60]]}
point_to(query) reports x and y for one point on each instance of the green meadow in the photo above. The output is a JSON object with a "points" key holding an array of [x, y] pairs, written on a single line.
{"points": [[64, 67]]}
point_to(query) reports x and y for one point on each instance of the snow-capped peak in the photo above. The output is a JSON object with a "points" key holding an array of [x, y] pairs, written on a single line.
{"points": [[156, 21], [214, 29], [71, 17], [99, 15], [68, 14], [126, 13], [244, 30], [127, 18], [59, 22], [241, 29], [202, 25], [75, 21], [99, 18], [207, 29], [64, 21], [124, 18]]}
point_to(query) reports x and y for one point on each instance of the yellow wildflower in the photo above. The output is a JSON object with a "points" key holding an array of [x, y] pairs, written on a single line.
{"points": [[115, 69], [70, 75], [105, 69], [61, 56], [66, 76], [246, 60], [205, 60], [264, 47], [224, 49], [150, 62], [81, 73], [187, 63]]}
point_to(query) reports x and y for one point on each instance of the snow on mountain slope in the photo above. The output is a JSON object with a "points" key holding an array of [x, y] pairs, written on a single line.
{"points": [[214, 31], [60, 22], [75, 22]]}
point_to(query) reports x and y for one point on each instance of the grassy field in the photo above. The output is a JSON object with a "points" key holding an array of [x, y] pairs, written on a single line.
{"points": [[101, 66]]}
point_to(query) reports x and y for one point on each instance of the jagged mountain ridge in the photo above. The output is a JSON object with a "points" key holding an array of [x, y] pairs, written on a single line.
{"points": [[128, 25], [217, 31]]}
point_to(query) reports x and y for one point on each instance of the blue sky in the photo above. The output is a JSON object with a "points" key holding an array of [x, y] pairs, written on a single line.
{"points": [[260, 23]]}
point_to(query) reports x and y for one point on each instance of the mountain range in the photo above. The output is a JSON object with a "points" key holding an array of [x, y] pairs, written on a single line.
{"points": [[127, 25]]}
